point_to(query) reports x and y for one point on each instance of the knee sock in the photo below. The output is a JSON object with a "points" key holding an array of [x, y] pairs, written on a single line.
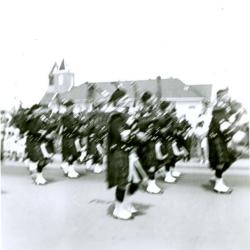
{"points": [[133, 187], [40, 167], [151, 175], [120, 194], [167, 167], [219, 172], [70, 162]]}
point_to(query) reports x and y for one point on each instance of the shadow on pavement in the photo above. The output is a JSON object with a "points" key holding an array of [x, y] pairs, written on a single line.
{"points": [[208, 187]]}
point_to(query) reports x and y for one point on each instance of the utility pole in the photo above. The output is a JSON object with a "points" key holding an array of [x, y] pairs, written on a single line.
{"points": [[159, 89], [136, 94], [91, 88]]}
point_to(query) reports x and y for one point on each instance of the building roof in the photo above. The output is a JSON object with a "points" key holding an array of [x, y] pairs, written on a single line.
{"points": [[203, 90], [47, 98], [76, 93], [171, 88]]}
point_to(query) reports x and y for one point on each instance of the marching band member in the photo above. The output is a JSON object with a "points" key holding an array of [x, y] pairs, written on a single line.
{"points": [[176, 140], [118, 152], [146, 152], [148, 134], [71, 147], [37, 141], [95, 138], [164, 151], [219, 134], [239, 139]]}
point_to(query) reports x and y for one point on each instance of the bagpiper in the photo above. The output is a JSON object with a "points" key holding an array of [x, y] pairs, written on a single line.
{"points": [[71, 146], [38, 137], [96, 133], [164, 150], [146, 150], [171, 146], [220, 155], [118, 152]]}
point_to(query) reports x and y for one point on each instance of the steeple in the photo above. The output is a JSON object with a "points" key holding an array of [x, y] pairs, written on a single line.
{"points": [[54, 68], [60, 79], [52, 72], [62, 66]]}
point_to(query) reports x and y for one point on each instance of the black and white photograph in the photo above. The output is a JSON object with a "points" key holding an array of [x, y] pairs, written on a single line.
{"points": [[125, 125]]}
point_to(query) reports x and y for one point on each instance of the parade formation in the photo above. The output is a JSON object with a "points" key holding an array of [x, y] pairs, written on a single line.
{"points": [[133, 144]]}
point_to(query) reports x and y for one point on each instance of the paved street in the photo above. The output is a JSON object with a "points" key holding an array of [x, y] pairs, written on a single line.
{"points": [[75, 214]]}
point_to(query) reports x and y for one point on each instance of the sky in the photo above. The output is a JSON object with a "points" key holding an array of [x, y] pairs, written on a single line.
{"points": [[199, 42]]}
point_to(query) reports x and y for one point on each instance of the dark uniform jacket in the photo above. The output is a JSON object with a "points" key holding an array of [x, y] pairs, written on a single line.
{"points": [[117, 152], [69, 135], [37, 130], [96, 133], [217, 141], [146, 149]]}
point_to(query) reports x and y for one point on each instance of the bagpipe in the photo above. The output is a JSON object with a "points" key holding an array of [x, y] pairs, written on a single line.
{"points": [[236, 129], [238, 140]]}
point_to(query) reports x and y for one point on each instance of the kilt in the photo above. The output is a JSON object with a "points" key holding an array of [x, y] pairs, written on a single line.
{"points": [[219, 153], [166, 148], [69, 151], [169, 150], [50, 146], [92, 151], [117, 168], [147, 156], [33, 149]]}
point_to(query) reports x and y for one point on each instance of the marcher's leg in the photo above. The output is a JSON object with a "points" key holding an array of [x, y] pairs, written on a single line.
{"points": [[72, 172], [97, 164], [175, 173], [120, 211], [65, 167], [132, 188], [40, 180], [89, 163], [220, 186], [152, 187], [168, 176], [32, 167]]}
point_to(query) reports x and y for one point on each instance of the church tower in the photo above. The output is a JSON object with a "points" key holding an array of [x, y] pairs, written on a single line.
{"points": [[60, 79]]}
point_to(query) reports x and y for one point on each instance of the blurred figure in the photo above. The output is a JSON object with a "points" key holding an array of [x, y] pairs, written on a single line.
{"points": [[38, 134], [118, 157], [200, 132], [147, 131], [96, 133], [146, 151], [71, 147], [222, 129]]}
